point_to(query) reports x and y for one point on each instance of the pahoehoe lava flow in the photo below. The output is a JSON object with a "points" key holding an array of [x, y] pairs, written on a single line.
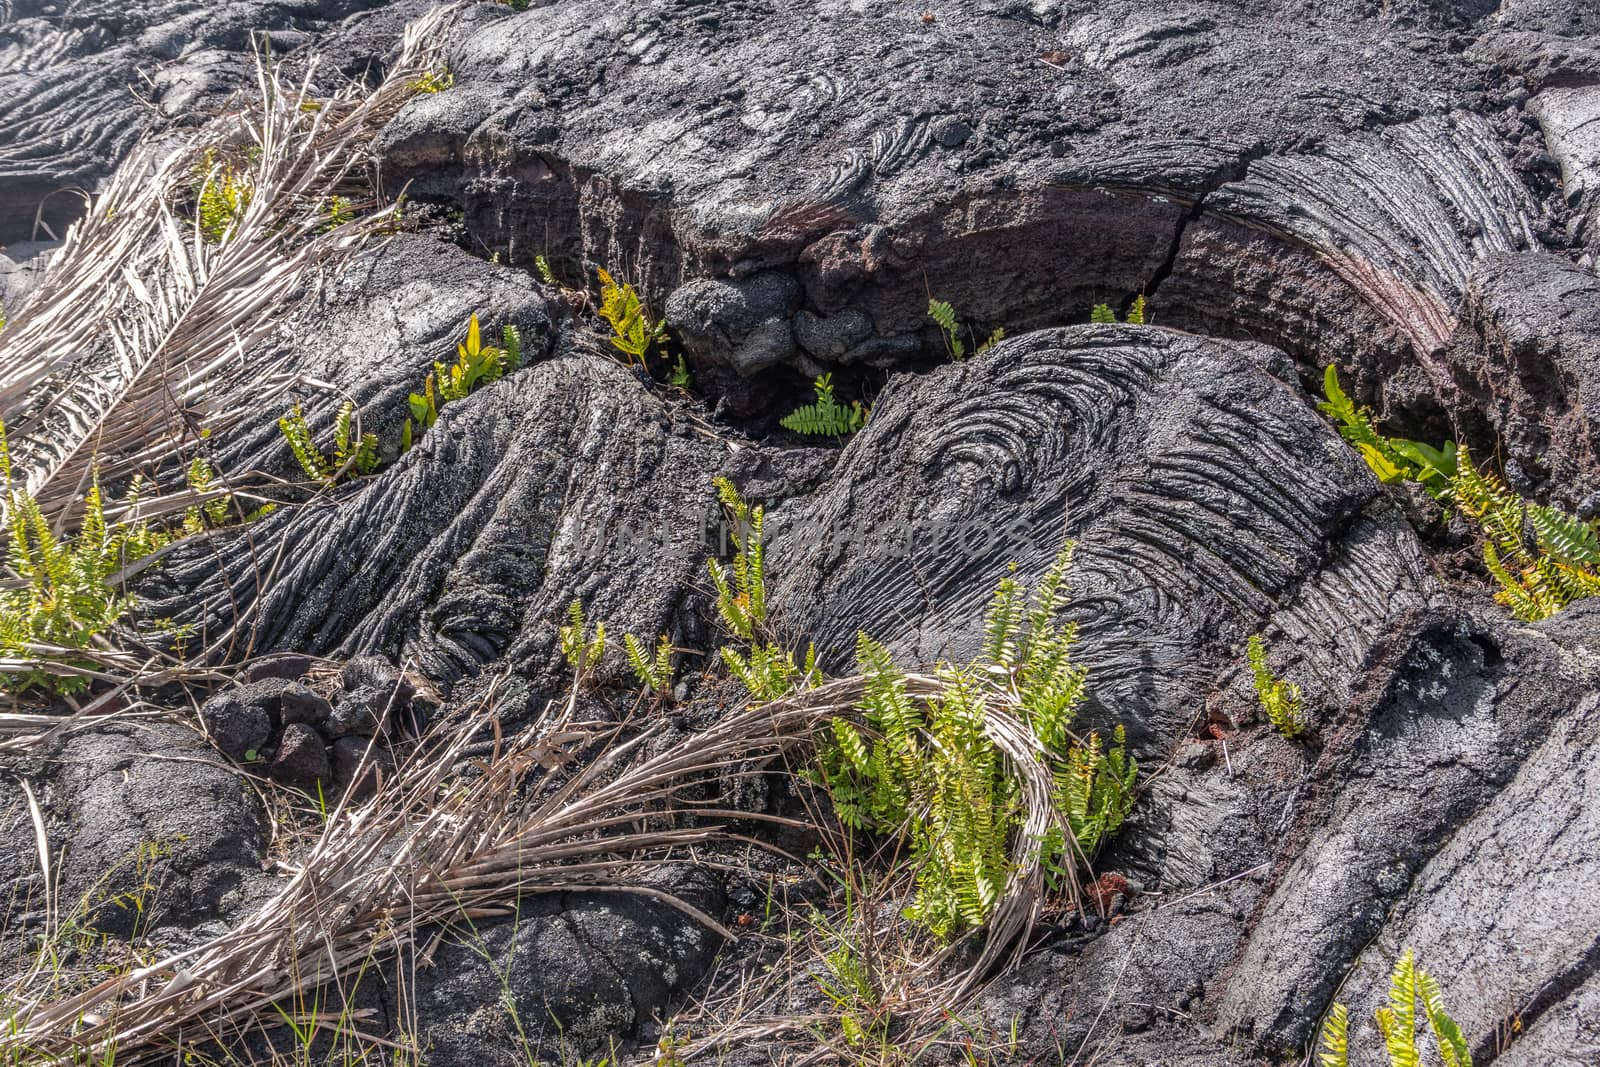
{"points": [[378, 379]]}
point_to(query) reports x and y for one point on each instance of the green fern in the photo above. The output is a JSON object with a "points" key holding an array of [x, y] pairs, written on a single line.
{"points": [[944, 316], [1397, 1022], [1280, 700], [339, 212], [65, 599], [1541, 558], [209, 514], [633, 333], [680, 377], [653, 671], [1136, 313], [741, 590], [928, 771], [581, 647], [1336, 1038], [476, 364], [353, 454], [1537, 575], [222, 193], [769, 672], [542, 266], [433, 81], [826, 417]]}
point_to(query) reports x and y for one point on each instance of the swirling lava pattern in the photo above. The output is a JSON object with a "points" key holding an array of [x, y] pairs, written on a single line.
{"points": [[1204, 493]]}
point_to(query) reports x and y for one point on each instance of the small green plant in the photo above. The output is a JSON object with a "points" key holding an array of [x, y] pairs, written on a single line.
{"points": [[766, 670], [208, 514], [848, 984], [65, 599], [476, 364], [653, 671], [769, 672], [680, 378], [339, 212], [826, 417], [1280, 700], [670, 1046], [1392, 459], [222, 193], [927, 769], [741, 592], [353, 454], [632, 331], [434, 81], [582, 647], [1408, 985], [944, 315], [542, 266], [1103, 313], [1542, 558]]}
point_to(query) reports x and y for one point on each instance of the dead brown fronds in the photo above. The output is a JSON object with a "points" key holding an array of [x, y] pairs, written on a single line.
{"points": [[143, 317], [152, 310], [434, 846]]}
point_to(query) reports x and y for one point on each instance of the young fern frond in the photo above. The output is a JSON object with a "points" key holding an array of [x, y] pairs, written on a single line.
{"points": [[653, 671], [1447, 1035], [1136, 312], [581, 648], [222, 194], [1565, 538], [350, 450], [944, 316], [63, 599], [826, 417], [768, 672], [928, 770], [202, 479], [1397, 1022], [1003, 624], [1280, 700], [306, 453], [741, 590], [476, 364], [352, 454], [632, 331], [1541, 558], [1336, 1038]]}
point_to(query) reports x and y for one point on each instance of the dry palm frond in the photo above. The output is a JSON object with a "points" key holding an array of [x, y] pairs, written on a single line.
{"points": [[431, 847], [141, 320]]}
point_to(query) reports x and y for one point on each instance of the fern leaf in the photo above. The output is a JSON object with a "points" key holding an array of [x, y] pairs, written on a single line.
{"points": [[1398, 1021], [1102, 313], [1004, 621], [1136, 313], [1280, 700], [944, 315], [1449, 1039], [1566, 537], [639, 660], [1336, 1038]]}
